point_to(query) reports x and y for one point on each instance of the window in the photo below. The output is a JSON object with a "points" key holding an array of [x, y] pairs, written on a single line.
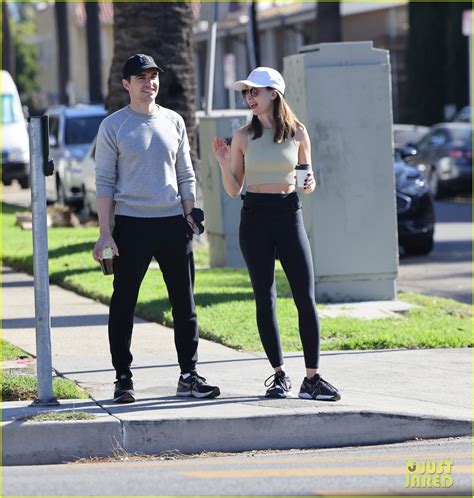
{"points": [[436, 138], [54, 128], [439, 138], [10, 111], [82, 130]]}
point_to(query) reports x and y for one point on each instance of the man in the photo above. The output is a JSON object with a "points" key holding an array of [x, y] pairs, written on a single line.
{"points": [[143, 165]]}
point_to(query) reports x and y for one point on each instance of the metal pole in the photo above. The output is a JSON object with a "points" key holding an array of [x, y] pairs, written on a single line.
{"points": [[40, 262], [211, 61]]}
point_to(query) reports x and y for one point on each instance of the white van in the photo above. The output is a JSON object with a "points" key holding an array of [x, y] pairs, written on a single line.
{"points": [[14, 138]]}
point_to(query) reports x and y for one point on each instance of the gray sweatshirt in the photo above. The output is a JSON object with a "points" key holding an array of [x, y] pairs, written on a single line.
{"points": [[143, 163]]}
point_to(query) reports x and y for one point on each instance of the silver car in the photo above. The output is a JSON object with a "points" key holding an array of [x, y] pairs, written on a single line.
{"points": [[71, 132], [88, 181]]}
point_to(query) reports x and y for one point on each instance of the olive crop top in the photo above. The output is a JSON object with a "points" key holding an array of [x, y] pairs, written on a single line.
{"points": [[270, 162]]}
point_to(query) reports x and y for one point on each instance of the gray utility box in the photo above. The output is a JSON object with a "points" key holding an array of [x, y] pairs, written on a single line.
{"points": [[341, 92], [221, 211]]}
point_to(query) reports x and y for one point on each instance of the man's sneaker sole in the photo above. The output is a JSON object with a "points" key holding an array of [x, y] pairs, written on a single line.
{"points": [[126, 397], [336, 397], [188, 394]]}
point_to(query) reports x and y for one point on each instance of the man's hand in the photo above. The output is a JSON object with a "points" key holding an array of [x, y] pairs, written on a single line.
{"points": [[102, 242]]}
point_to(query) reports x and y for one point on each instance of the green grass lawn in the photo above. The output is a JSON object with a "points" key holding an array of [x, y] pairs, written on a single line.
{"points": [[12, 352], [225, 303], [17, 387]]}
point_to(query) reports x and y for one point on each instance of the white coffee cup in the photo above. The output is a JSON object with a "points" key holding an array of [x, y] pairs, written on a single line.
{"points": [[302, 171]]}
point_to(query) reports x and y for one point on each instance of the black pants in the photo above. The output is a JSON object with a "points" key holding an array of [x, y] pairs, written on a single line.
{"points": [[138, 241], [270, 224]]}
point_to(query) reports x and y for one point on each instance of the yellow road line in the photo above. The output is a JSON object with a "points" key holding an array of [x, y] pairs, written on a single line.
{"points": [[309, 472], [258, 460]]}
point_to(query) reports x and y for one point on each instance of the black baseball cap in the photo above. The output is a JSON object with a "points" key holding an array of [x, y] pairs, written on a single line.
{"points": [[138, 63]]}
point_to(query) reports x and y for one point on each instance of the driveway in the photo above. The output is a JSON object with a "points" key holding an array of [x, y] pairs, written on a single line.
{"points": [[447, 271]]}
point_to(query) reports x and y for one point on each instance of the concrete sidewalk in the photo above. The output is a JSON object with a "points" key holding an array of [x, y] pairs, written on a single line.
{"points": [[387, 396]]}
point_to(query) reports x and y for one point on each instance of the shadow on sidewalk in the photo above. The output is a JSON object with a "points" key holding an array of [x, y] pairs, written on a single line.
{"points": [[172, 403], [260, 356], [58, 321]]}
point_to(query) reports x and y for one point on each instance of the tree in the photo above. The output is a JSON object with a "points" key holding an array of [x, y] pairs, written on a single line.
{"points": [[26, 61], [456, 73], [62, 37], [165, 33], [328, 22], [94, 52], [436, 61]]}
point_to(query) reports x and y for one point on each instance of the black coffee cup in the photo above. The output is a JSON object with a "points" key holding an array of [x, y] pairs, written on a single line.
{"points": [[107, 261]]}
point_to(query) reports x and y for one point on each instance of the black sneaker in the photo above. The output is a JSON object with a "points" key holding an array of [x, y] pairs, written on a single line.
{"points": [[279, 385], [196, 386], [319, 389], [124, 392]]}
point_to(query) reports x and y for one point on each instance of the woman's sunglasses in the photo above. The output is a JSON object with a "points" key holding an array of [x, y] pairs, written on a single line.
{"points": [[252, 91]]}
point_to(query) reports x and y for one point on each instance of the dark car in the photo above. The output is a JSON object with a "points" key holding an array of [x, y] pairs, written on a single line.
{"points": [[415, 209], [444, 157]]}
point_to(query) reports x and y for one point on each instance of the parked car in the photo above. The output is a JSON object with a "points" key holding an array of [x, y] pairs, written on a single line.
{"points": [[405, 134], [463, 115], [88, 181], [15, 140], [71, 132], [415, 209], [444, 156]]}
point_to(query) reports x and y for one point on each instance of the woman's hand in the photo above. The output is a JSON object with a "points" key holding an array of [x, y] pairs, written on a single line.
{"points": [[309, 183], [221, 150]]}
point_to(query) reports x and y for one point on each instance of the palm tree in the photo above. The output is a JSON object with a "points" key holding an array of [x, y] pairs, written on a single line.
{"points": [[328, 22], [94, 52], [62, 37], [7, 42], [164, 31]]}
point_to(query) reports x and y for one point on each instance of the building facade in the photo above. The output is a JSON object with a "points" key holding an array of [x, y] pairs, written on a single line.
{"points": [[47, 43], [283, 27]]}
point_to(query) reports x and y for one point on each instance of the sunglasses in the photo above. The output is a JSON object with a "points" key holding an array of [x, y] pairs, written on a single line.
{"points": [[252, 91]]}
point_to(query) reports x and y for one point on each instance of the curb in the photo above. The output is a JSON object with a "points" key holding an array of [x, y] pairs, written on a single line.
{"points": [[33, 443], [57, 442]]}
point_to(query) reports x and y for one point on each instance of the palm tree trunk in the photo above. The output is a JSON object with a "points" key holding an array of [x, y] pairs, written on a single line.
{"points": [[8, 61], [328, 23], [164, 31], [94, 52], [62, 37]]}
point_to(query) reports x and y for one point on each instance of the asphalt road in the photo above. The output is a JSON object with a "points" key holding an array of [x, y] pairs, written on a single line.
{"points": [[445, 272], [371, 470]]}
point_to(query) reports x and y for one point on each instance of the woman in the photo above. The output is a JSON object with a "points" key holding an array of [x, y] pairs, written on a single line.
{"points": [[265, 153]]}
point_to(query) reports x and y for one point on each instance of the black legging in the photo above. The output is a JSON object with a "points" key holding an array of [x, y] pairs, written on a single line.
{"points": [[273, 224]]}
